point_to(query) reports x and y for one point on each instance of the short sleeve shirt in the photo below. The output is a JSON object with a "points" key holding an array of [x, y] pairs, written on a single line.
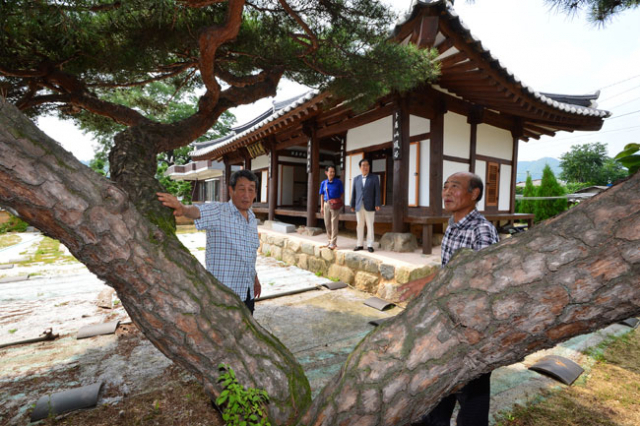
{"points": [[232, 245], [473, 231], [335, 189]]}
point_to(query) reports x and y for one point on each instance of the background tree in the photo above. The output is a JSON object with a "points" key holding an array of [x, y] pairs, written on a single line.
{"points": [[549, 187], [527, 206], [589, 163], [599, 11]]}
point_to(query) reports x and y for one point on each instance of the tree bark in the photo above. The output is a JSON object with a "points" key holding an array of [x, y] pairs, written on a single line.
{"points": [[180, 307], [573, 274]]}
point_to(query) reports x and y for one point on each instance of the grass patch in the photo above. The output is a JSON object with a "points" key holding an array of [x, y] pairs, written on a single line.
{"points": [[49, 251], [609, 395], [7, 240]]}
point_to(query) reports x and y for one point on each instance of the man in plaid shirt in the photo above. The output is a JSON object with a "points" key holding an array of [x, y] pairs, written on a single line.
{"points": [[232, 235], [466, 229]]}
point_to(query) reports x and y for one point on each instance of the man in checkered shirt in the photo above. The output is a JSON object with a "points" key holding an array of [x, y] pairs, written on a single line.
{"points": [[467, 229], [232, 235]]}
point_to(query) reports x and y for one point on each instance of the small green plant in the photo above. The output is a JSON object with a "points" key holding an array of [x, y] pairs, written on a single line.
{"points": [[13, 330], [318, 273], [334, 279], [116, 302], [267, 253], [14, 224], [240, 406]]}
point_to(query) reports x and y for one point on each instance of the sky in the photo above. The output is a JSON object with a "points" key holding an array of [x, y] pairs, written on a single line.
{"points": [[548, 51]]}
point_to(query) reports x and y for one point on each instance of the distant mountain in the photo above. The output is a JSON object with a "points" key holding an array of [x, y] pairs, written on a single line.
{"points": [[535, 168]]}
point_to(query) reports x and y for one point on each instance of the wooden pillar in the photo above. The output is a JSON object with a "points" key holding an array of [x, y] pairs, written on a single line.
{"points": [[401, 146], [247, 160], [516, 132], [224, 196], [313, 173], [436, 163], [475, 118], [273, 182]]}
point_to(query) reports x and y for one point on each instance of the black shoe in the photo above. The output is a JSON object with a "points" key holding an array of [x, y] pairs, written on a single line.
{"points": [[370, 249], [358, 248]]}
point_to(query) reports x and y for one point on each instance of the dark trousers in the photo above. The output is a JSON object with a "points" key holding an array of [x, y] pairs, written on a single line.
{"points": [[249, 302], [474, 406]]}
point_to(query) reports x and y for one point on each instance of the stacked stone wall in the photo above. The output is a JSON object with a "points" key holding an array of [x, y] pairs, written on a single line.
{"points": [[361, 271]]}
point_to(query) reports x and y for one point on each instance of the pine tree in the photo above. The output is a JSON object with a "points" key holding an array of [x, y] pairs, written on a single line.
{"points": [[549, 187], [527, 206]]}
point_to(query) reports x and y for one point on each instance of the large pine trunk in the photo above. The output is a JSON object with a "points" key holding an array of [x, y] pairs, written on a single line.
{"points": [[130, 243], [575, 273]]}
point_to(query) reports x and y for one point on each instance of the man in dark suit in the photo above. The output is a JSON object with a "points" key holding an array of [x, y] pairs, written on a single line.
{"points": [[365, 201]]}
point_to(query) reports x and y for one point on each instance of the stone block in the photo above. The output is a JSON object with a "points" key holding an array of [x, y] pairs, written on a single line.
{"points": [[278, 240], [422, 271], [317, 265], [402, 274], [289, 257], [316, 251], [303, 261], [308, 248], [399, 242], [342, 273], [339, 257], [370, 265], [388, 291], [266, 249], [366, 282], [293, 245], [388, 272], [310, 230], [353, 260], [282, 227], [276, 252], [327, 254]]}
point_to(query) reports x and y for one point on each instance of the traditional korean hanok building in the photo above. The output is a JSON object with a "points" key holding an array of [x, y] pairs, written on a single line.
{"points": [[470, 119]]}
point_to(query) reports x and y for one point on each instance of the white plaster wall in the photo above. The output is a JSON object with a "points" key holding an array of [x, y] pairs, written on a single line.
{"points": [[451, 167], [493, 142], [425, 157], [370, 134], [286, 185], [418, 125], [260, 162], [481, 170], [352, 170], [413, 169], [457, 135], [264, 186], [504, 193]]}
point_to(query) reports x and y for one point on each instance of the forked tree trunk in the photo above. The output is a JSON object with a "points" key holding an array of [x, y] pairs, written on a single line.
{"points": [[570, 275], [179, 306]]}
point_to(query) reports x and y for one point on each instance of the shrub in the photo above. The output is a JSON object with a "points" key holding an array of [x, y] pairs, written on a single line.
{"points": [[15, 224]]}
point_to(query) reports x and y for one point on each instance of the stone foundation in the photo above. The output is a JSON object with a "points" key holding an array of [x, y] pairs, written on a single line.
{"points": [[361, 271]]}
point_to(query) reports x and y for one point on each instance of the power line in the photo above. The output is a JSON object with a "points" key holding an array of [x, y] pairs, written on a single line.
{"points": [[624, 103], [618, 94], [620, 82], [618, 116]]}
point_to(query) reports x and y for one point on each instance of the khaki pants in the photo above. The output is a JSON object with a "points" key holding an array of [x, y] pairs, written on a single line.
{"points": [[331, 222], [365, 217]]}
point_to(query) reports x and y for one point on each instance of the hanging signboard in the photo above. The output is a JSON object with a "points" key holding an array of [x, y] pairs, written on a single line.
{"points": [[396, 138], [256, 150]]}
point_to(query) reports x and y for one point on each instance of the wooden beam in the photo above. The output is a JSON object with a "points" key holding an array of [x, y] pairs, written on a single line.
{"points": [[313, 172], [401, 152], [435, 164], [356, 121], [428, 31], [273, 182]]}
